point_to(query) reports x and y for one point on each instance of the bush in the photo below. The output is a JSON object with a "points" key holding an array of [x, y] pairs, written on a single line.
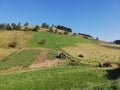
{"points": [[13, 44], [74, 62], [42, 41], [60, 33]]}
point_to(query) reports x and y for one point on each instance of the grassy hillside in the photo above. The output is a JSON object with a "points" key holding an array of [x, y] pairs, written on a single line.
{"points": [[62, 78], [79, 77], [55, 40]]}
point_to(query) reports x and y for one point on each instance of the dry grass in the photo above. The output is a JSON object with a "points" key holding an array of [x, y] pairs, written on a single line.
{"points": [[6, 52], [94, 54], [7, 37]]}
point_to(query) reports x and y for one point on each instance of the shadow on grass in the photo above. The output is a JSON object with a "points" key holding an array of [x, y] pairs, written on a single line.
{"points": [[113, 74]]}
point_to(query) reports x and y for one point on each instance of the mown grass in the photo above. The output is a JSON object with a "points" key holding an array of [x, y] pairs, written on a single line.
{"points": [[55, 40], [22, 58], [52, 54], [60, 78], [94, 54]]}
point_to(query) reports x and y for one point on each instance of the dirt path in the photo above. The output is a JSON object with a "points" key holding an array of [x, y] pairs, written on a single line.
{"points": [[42, 61]]}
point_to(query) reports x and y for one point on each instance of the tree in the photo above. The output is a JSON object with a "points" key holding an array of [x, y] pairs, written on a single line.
{"points": [[2, 26], [74, 34], [14, 26], [19, 26], [45, 25], [51, 29], [66, 32], [8, 27], [97, 38], [56, 31], [36, 28], [26, 25]]}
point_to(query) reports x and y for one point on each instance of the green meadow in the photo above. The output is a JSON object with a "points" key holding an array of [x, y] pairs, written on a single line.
{"points": [[55, 40], [62, 78]]}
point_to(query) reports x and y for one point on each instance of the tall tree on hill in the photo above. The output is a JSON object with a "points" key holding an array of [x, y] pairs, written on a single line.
{"points": [[2, 26], [45, 25], [14, 26], [19, 26], [26, 25], [8, 27]]}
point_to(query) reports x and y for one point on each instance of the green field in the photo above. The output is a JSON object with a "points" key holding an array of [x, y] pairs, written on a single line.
{"points": [[22, 58], [55, 40], [62, 78]]}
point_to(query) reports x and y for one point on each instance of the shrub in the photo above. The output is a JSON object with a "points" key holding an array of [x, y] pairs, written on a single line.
{"points": [[42, 41], [13, 44], [74, 62], [60, 33]]}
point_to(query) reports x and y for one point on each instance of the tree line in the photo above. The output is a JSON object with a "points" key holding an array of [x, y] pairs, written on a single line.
{"points": [[18, 26]]}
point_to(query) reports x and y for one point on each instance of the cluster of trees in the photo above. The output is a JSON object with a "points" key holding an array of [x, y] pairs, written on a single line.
{"points": [[64, 28], [12, 26], [85, 35], [116, 41]]}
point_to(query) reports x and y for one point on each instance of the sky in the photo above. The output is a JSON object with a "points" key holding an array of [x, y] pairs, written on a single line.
{"points": [[99, 18]]}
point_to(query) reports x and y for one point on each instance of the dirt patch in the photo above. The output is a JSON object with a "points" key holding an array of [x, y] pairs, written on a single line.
{"points": [[42, 61]]}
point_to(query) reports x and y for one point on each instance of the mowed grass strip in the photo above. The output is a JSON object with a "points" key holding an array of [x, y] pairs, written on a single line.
{"points": [[60, 78], [52, 54], [22, 58], [55, 40]]}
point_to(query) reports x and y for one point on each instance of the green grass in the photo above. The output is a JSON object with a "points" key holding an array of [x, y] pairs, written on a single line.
{"points": [[60, 78], [55, 40], [52, 54], [22, 58]]}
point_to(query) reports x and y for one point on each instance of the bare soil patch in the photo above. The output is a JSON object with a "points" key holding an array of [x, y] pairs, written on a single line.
{"points": [[42, 61]]}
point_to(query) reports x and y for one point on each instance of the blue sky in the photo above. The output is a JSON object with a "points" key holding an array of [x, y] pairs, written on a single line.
{"points": [[99, 18]]}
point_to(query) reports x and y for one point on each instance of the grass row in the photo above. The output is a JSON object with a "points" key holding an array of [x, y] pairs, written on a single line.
{"points": [[55, 40], [60, 78], [22, 58], [52, 54]]}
